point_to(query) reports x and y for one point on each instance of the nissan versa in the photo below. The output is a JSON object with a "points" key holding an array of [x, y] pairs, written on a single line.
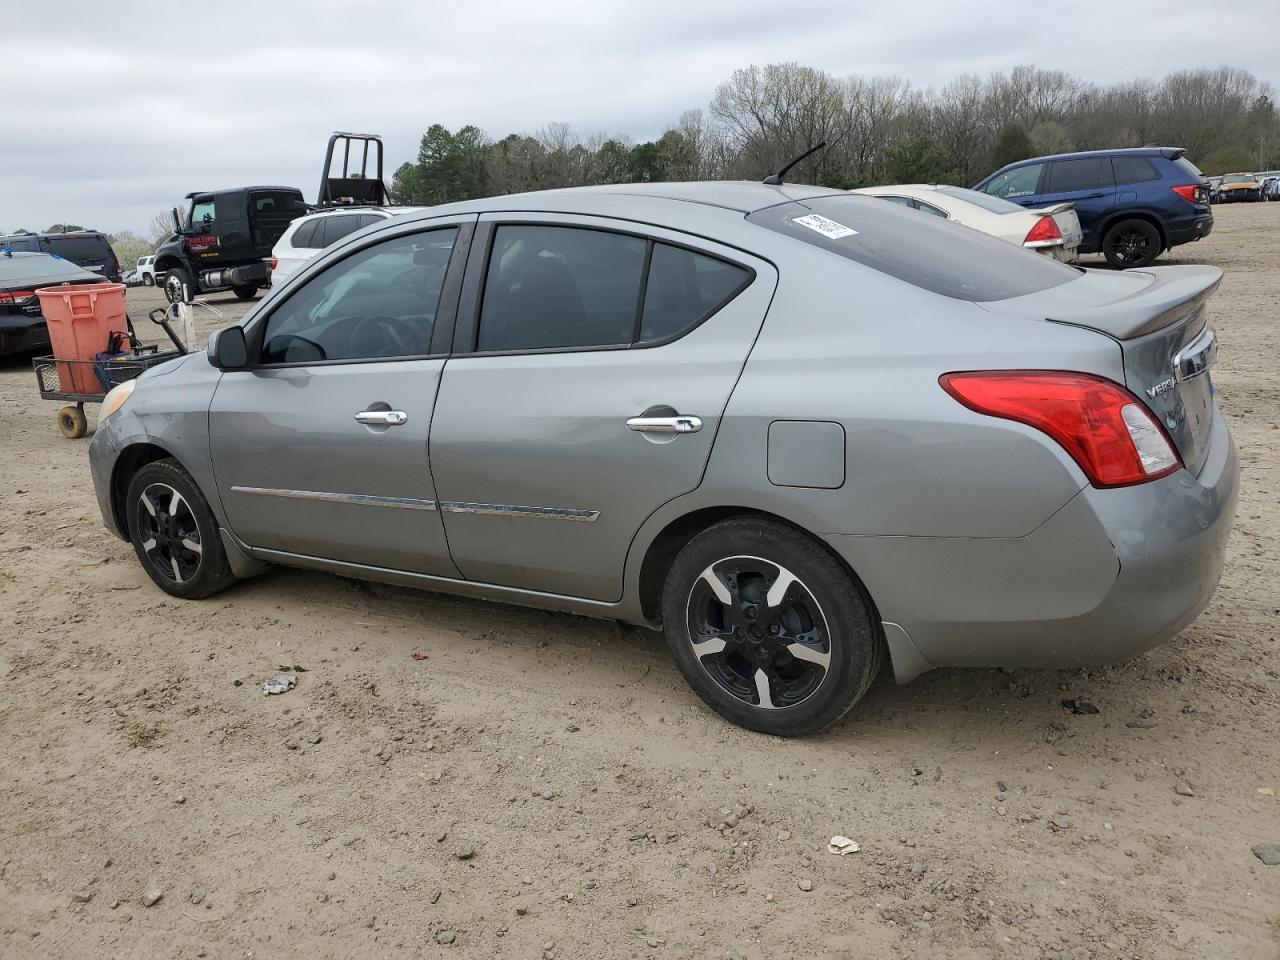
{"points": [[799, 430]]}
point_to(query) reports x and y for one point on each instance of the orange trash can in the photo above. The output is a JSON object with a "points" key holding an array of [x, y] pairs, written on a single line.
{"points": [[80, 320]]}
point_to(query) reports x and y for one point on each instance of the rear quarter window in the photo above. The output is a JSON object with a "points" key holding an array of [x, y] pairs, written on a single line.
{"points": [[926, 252], [1134, 170]]}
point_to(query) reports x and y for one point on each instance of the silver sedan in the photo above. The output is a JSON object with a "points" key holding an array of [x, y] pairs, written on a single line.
{"points": [[798, 430]]}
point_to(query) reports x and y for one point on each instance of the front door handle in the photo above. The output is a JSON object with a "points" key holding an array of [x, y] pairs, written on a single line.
{"points": [[676, 424], [382, 418]]}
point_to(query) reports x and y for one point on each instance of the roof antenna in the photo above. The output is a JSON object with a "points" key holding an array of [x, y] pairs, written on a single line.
{"points": [[775, 179]]}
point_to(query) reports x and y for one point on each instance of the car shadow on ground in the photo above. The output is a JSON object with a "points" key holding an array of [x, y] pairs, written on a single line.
{"points": [[996, 705]]}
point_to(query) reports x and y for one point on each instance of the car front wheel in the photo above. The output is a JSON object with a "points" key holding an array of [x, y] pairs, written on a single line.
{"points": [[174, 532], [768, 628]]}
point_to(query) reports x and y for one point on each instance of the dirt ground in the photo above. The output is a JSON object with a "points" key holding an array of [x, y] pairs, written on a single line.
{"points": [[542, 785]]}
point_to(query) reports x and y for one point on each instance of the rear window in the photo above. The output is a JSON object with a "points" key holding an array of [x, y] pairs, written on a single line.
{"points": [[1187, 167], [20, 269], [926, 252], [79, 249], [1135, 170], [983, 200]]}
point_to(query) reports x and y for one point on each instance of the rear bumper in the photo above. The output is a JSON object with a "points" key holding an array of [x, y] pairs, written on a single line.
{"points": [[1111, 575], [20, 334], [1194, 228]]}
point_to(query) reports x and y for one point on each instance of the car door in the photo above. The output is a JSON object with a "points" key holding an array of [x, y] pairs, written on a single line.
{"points": [[320, 446], [1090, 184], [592, 363]]}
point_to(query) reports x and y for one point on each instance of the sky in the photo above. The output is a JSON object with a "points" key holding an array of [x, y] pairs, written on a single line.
{"points": [[108, 123]]}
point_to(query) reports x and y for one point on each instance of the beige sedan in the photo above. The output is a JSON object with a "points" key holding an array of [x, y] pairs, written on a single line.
{"points": [[1053, 230]]}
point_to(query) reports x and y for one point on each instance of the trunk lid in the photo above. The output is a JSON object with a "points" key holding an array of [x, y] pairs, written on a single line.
{"points": [[1158, 317]]}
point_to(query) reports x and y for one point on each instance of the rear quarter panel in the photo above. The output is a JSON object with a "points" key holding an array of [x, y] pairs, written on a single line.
{"points": [[844, 343]]}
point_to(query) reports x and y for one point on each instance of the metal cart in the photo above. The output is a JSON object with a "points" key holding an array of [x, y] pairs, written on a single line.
{"points": [[66, 380]]}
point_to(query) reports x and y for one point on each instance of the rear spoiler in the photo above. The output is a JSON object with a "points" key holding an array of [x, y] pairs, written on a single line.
{"points": [[1173, 294], [1053, 208]]}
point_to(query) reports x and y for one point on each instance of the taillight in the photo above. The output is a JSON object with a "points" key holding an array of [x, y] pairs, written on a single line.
{"points": [[1043, 234], [274, 263], [16, 296], [1189, 192], [1104, 427]]}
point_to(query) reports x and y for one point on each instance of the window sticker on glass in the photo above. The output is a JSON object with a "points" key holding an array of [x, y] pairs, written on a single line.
{"points": [[828, 228]]}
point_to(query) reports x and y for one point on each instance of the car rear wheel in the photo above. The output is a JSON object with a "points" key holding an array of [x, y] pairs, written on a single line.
{"points": [[768, 628], [174, 279], [246, 292], [1131, 243], [148, 280], [174, 532]]}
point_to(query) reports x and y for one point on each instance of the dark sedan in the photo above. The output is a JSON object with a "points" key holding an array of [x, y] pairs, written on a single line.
{"points": [[22, 327]]}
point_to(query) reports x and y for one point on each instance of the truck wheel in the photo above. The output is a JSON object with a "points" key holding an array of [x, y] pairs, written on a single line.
{"points": [[246, 292], [148, 280], [174, 278]]}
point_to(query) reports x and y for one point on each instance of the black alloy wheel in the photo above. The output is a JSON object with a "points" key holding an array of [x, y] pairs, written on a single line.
{"points": [[169, 534], [174, 532], [758, 632], [1131, 243], [769, 628]]}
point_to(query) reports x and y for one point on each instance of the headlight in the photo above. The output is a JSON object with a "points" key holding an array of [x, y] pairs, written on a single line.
{"points": [[115, 399]]}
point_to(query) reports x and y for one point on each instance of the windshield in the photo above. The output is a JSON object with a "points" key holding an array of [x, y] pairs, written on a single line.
{"points": [[1238, 178], [983, 200], [927, 252]]}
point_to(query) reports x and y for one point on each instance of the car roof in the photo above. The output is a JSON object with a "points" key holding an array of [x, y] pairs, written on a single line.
{"points": [[205, 193], [737, 197], [73, 233], [1169, 153]]}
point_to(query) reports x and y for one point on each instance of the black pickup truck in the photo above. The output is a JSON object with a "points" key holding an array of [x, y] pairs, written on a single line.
{"points": [[224, 240]]}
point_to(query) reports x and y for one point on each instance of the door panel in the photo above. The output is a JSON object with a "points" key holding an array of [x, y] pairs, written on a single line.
{"points": [[542, 484], [297, 473], [1087, 182], [321, 448]]}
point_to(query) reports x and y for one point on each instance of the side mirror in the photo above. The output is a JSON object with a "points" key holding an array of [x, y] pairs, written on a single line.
{"points": [[228, 349], [177, 223]]}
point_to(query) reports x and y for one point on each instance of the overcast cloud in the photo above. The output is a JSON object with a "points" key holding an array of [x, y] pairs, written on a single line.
{"points": [[107, 123]]}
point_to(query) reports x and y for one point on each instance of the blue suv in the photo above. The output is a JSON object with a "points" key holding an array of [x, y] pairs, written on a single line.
{"points": [[1133, 204]]}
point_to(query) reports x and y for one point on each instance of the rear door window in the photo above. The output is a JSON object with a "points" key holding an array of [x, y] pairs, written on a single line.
{"points": [[555, 287], [1018, 182], [927, 252], [1084, 173], [305, 237], [335, 228]]}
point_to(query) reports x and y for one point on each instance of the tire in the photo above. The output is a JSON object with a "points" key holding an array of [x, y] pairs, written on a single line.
{"points": [[72, 422], [742, 560], [148, 280], [1130, 244], [246, 292], [164, 531], [174, 278]]}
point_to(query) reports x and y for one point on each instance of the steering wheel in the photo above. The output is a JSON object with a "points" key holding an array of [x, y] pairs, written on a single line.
{"points": [[404, 333]]}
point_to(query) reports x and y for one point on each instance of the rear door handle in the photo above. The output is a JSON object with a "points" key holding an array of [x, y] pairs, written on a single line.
{"points": [[676, 424], [382, 418]]}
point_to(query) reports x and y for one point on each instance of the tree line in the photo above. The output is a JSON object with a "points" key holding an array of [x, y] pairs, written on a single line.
{"points": [[877, 130]]}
